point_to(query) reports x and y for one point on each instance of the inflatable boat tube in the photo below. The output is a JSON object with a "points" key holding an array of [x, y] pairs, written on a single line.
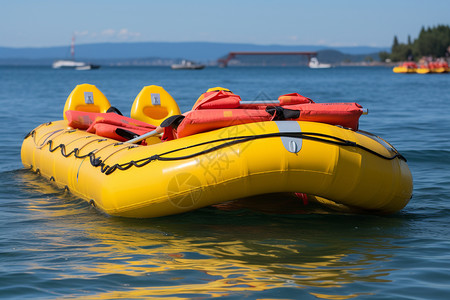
{"points": [[345, 167]]}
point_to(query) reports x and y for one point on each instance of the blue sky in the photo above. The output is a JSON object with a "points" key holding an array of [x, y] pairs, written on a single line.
{"points": [[43, 23]]}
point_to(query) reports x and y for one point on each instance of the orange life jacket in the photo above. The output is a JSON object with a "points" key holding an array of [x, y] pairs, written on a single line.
{"points": [[222, 108], [105, 124], [197, 121], [216, 100]]}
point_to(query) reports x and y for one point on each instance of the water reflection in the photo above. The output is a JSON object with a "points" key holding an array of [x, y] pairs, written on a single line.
{"points": [[209, 252]]}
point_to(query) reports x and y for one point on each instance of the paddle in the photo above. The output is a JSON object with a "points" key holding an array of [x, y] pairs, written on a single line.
{"points": [[274, 102], [173, 121], [144, 136], [127, 134]]}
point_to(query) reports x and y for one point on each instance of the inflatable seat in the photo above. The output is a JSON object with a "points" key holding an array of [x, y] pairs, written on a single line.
{"points": [[153, 105], [88, 98]]}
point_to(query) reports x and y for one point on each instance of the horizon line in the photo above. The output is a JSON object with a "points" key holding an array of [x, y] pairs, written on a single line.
{"points": [[208, 42]]}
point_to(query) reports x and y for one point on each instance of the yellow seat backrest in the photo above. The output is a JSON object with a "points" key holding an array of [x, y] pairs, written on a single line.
{"points": [[86, 97], [153, 105]]}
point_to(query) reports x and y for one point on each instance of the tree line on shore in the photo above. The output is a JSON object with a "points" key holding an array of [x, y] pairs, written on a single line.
{"points": [[432, 42]]}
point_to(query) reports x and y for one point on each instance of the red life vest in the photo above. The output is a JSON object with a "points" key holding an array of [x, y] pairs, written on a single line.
{"points": [[219, 109], [197, 121], [343, 114], [105, 124], [216, 100]]}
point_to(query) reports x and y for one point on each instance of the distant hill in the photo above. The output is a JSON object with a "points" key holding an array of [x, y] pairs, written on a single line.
{"points": [[198, 51], [334, 57]]}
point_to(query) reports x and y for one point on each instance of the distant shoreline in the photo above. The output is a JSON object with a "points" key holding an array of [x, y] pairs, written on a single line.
{"points": [[163, 54], [340, 65], [167, 62]]}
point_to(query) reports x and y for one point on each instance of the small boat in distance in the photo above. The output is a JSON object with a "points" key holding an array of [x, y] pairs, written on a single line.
{"points": [[71, 63], [187, 65], [315, 64]]}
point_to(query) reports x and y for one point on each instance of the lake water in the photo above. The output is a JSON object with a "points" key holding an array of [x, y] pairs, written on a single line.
{"points": [[55, 246]]}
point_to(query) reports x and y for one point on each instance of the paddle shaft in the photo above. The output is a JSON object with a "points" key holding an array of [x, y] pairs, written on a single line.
{"points": [[144, 136], [276, 102]]}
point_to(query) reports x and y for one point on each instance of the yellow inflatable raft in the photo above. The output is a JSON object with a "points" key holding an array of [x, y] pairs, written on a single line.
{"points": [[405, 67], [343, 168]]}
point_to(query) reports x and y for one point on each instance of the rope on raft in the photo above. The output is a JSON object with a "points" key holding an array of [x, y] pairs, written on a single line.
{"points": [[227, 142]]}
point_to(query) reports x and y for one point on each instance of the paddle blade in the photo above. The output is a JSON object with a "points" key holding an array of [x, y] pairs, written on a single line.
{"points": [[129, 135]]}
